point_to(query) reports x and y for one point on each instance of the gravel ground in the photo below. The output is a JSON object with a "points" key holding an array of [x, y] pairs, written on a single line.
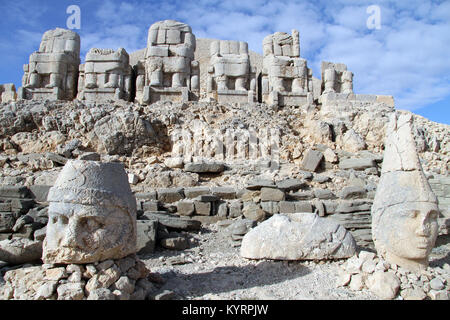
{"points": [[213, 269]]}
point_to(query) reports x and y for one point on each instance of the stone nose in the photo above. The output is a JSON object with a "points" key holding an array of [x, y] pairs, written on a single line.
{"points": [[70, 236], [423, 229]]}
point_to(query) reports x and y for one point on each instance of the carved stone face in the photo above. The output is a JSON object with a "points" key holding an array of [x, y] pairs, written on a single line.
{"points": [[92, 214], [86, 233], [409, 232]]}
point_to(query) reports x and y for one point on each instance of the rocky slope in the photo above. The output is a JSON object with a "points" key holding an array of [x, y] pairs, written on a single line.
{"points": [[323, 158]]}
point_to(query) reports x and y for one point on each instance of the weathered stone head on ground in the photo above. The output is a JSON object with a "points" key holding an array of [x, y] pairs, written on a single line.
{"points": [[92, 214], [405, 210], [298, 236]]}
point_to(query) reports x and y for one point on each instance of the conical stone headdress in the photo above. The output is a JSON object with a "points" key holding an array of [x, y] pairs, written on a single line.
{"points": [[402, 178]]}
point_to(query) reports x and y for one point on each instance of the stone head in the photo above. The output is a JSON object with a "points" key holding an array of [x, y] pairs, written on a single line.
{"points": [[92, 214], [405, 210], [405, 232]]}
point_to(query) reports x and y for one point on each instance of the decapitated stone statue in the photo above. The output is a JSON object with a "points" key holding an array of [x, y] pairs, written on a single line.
{"points": [[53, 70], [106, 75], [336, 78], [230, 74], [92, 214], [169, 70], [286, 78], [405, 210]]}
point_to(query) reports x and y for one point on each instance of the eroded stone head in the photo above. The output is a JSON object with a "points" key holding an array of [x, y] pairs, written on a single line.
{"points": [[405, 210], [92, 214]]}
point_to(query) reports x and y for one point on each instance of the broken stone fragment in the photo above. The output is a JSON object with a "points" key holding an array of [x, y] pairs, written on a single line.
{"points": [[20, 250], [299, 236], [204, 167], [272, 194], [170, 195], [253, 211], [146, 236], [356, 164], [173, 221], [312, 160], [384, 284]]}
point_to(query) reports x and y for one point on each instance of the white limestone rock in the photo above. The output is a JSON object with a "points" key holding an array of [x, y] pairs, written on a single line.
{"points": [[298, 236], [384, 284], [20, 250]]}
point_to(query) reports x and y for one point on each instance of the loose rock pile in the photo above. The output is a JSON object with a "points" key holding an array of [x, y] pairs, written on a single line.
{"points": [[366, 271], [123, 279]]}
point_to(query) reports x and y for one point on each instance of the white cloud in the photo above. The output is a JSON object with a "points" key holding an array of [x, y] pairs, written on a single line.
{"points": [[407, 57]]}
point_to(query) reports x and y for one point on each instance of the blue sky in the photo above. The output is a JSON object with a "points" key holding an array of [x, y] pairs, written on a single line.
{"points": [[407, 57]]}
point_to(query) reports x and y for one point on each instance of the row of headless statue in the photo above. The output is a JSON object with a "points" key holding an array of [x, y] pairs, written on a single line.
{"points": [[169, 70]]}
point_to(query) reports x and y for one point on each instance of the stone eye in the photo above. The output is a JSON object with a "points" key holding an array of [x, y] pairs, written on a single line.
{"points": [[64, 220], [413, 214], [54, 220], [91, 224], [433, 215]]}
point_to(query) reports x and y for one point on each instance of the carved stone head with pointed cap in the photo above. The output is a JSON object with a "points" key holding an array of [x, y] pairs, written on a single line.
{"points": [[405, 210], [92, 214]]}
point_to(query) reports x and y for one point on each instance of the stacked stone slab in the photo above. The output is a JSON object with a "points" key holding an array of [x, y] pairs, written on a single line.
{"points": [[14, 203], [231, 78], [20, 226], [7, 93], [53, 70], [441, 188], [169, 70], [106, 75], [286, 79]]}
